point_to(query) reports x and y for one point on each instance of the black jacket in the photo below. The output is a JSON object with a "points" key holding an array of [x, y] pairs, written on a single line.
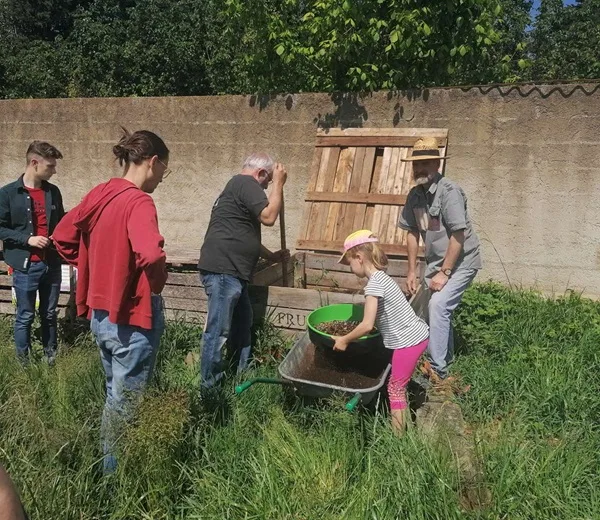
{"points": [[16, 224]]}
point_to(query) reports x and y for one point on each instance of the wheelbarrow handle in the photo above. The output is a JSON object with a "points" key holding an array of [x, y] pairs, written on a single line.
{"points": [[273, 381], [351, 405]]}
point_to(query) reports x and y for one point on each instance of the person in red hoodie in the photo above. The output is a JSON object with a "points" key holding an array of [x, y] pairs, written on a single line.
{"points": [[112, 237]]}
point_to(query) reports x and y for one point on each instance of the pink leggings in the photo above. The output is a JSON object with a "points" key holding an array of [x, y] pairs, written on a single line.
{"points": [[404, 362]]}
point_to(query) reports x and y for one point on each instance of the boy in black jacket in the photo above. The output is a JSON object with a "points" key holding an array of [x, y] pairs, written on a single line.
{"points": [[30, 209]]}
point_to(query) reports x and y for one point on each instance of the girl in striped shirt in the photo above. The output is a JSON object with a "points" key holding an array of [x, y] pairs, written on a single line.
{"points": [[387, 307]]}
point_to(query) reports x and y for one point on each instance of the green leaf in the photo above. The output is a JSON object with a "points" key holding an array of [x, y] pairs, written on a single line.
{"points": [[394, 36], [463, 50], [280, 50], [426, 29], [522, 64]]}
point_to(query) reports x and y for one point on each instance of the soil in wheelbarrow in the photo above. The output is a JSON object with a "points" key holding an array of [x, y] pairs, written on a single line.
{"points": [[339, 327], [340, 369]]}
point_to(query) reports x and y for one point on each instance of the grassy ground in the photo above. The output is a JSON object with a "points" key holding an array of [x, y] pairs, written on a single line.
{"points": [[533, 408]]}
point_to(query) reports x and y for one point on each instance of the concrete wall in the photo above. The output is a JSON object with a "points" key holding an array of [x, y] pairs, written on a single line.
{"points": [[527, 158]]}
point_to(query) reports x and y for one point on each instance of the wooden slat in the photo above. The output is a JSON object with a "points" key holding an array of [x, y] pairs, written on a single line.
{"points": [[337, 245], [346, 220], [320, 278], [363, 187], [273, 275], [380, 187], [329, 262], [312, 184], [315, 209], [396, 190], [6, 296], [340, 223], [358, 198], [318, 224], [188, 316], [185, 304], [407, 184], [283, 317], [185, 279], [383, 132], [357, 141], [388, 189], [299, 271], [180, 291], [271, 295], [373, 188], [179, 257], [341, 185], [8, 308]]}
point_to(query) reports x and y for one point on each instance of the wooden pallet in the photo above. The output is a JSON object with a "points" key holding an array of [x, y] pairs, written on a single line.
{"points": [[358, 181]]}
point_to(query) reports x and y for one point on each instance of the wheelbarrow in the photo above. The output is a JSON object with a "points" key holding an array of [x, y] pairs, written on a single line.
{"points": [[315, 372]]}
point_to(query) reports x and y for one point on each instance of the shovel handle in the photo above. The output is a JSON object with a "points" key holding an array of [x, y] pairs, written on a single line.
{"points": [[284, 273]]}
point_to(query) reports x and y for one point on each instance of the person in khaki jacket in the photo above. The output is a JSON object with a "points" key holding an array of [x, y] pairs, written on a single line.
{"points": [[436, 210]]}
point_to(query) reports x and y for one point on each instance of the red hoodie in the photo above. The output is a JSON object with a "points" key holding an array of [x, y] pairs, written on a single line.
{"points": [[112, 238]]}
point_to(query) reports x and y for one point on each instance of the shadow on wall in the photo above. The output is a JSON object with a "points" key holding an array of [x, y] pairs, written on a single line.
{"points": [[349, 111]]}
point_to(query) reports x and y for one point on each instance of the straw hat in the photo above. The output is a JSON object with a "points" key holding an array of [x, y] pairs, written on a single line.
{"points": [[362, 236], [425, 148]]}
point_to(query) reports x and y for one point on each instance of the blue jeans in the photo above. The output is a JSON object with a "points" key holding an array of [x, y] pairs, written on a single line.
{"points": [[441, 307], [128, 354], [46, 280], [229, 320]]}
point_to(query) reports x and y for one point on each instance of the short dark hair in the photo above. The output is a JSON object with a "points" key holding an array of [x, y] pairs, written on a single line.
{"points": [[140, 145], [43, 149]]}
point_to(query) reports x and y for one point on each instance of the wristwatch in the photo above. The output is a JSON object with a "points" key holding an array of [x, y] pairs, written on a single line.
{"points": [[447, 272]]}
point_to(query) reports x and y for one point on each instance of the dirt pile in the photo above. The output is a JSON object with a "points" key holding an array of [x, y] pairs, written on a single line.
{"points": [[340, 369]]}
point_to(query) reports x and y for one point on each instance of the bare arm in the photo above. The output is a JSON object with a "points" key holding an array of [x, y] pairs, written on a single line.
{"points": [[269, 215], [10, 504], [412, 241], [364, 327], [455, 247]]}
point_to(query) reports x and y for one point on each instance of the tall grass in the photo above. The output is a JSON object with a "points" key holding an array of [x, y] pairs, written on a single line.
{"points": [[533, 408]]}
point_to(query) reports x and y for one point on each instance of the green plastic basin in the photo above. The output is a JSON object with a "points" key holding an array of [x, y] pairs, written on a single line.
{"points": [[336, 312]]}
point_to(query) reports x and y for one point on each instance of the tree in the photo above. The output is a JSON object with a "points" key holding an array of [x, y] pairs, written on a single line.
{"points": [[148, 48], [331, 45], [566, 41]]}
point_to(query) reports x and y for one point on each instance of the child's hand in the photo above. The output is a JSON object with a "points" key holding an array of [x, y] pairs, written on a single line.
{"points": [[340, 343]]}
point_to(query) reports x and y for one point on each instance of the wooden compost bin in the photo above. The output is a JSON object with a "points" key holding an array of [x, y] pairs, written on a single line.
{"points": [[357, 181]]}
